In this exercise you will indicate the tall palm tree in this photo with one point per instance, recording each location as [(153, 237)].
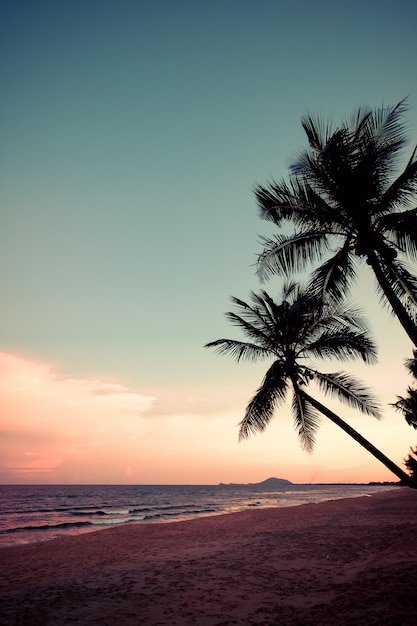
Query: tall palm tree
[(346, 205), (291, 333)]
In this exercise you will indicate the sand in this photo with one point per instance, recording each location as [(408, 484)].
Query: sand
[(351, 561)]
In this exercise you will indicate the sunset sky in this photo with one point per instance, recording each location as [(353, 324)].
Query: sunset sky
[(132, 134)]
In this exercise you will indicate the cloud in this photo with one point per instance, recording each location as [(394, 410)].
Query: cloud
[(49, 419)]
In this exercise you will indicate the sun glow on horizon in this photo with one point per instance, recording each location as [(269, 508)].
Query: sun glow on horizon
[(63, 429)]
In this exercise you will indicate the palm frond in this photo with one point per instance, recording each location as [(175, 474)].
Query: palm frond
[(348, 316), (276, 201), (318, 130), (257, 333), (239, 350), (389, 126), (268, 310), (285, 255), (297, 201), (385, 134), (401, 230), (337, 319), (259, 321), (291, 289), (330, 173), (411, 364), (349, 390), (261, 408), (306, 421), (408, 406), (255, 320), (335, 277), (403, 285), (320, 210), (402, 191), (344, 345), (357, 120)]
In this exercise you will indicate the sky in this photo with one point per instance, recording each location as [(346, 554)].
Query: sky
[(133, 134)]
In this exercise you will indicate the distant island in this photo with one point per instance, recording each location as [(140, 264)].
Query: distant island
[(280, 482), (269, 482)]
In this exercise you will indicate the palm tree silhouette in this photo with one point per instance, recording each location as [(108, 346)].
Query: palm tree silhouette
[(291, 333), (345, 205)]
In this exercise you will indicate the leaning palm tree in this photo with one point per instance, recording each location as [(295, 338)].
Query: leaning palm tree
[(345, 205), (291, 333)]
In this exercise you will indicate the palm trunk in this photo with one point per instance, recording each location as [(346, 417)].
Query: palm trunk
[(405, 478), (398, 309)]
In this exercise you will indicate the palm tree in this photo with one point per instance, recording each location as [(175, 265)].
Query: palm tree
[(346, 206), (290, 333)]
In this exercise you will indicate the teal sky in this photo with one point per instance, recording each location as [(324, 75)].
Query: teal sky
[(132, 134)]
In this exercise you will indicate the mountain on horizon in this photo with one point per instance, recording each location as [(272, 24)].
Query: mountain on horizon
[(269, 482), (273, 482)]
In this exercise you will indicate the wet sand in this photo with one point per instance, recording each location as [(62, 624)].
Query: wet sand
[(345, 562)]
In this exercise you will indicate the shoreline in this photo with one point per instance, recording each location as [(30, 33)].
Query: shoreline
[(347, 561), (62, 512)]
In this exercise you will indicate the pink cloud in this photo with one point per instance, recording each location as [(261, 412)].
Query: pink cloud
[(48, 419)]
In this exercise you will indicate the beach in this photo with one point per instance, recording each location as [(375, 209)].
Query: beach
[(348, 562)]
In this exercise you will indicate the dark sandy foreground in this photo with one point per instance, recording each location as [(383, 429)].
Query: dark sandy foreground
[(351, 561)]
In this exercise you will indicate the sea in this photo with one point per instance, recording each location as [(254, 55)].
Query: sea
[(33, 513)]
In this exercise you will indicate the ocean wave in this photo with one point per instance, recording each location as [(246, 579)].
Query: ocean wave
[(71, 510), (70, 525), (115, 520), (169, 507), (178, 513), (43, 527), (91, 512)]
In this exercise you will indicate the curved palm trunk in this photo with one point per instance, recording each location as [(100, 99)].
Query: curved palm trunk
[(405, 478), (396, 305)]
